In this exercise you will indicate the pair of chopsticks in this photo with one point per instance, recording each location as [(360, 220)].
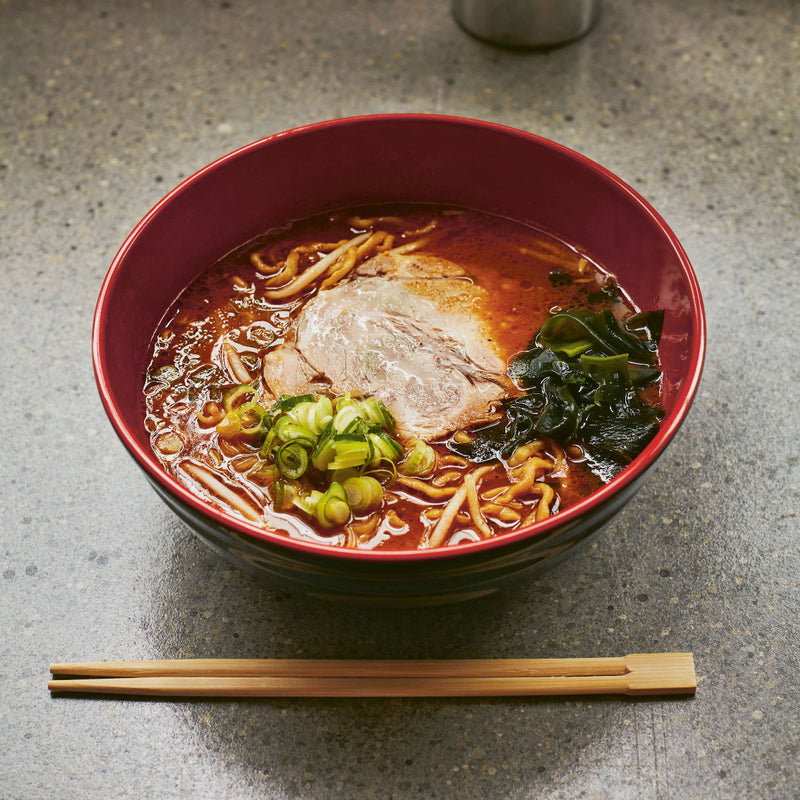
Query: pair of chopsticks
[(642, 674)]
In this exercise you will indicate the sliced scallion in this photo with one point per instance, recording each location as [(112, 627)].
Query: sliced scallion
[(332, 508), (347, 418), (269, 442), (364, 493), (386, 446), (323, 452), (286, 428), (376, 411), (232, 397), (419, 460), (229, 425), (307, 502), (292, 460), (315, 441), (384, 472), (284, 495), (341, 475), (350, 450), (253, 418), (288, 402)]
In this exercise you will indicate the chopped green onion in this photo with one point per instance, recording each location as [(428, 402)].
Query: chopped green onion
[(350, 450), (253, 418), (264, 473), (307, 502), (323, 412), (323, 453), (363, 493), (376, 411), (287, 428), (292, 460), (385, 446), (343, 400), (303, 413), (332, 508), (230, 396), (385, 472), (319, 441), (288, 402), (284, 495), (419, 460), (269, 441), (347, 418), (229, 425), (313, 415), (341, 475)]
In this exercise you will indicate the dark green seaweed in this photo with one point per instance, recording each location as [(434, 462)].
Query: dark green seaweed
[(581, 374)]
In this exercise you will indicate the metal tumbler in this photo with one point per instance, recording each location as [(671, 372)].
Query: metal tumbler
[(526, 23)]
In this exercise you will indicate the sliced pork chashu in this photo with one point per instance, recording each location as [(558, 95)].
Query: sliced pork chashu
[(405, 329)]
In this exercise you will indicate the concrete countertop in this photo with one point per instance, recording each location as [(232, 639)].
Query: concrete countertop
[(105, 106)]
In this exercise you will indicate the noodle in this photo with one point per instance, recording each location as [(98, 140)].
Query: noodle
[(443, 478), (542, 510), (438, 534), (286, 270), (452, 458), (218, 488), (524, 452), (308, 276), (343, 266), (470, 481), (502, 512), (425, 488), (238, 369), (524, 478), (449, 514), (409, 247)]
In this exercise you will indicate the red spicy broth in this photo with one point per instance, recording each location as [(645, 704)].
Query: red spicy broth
[(218, 334)]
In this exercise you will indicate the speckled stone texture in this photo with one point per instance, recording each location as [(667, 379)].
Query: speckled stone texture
[(105, 106)]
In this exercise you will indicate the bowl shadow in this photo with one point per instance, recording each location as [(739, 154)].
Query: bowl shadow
[(202, 607)]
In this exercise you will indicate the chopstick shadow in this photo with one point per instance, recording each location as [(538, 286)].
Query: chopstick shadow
[(458, 701), (201, 607)]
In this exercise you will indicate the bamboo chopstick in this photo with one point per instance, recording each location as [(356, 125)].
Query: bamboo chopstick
[(637, 674)]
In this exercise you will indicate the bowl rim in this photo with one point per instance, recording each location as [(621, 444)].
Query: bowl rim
[(669, 426)]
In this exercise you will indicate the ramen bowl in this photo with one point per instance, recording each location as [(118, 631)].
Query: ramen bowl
[(393, 159)]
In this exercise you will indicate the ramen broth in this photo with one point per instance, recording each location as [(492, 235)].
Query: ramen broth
[(238, 318)]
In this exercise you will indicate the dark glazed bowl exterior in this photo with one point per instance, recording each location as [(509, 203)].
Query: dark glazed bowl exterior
[(376, 159)]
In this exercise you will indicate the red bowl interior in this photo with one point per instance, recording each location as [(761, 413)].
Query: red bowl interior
[(391, 158)]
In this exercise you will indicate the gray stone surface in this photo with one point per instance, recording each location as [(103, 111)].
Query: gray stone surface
[(105, 106)]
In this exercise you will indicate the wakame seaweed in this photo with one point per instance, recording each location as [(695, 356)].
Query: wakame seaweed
[(581, 374)]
